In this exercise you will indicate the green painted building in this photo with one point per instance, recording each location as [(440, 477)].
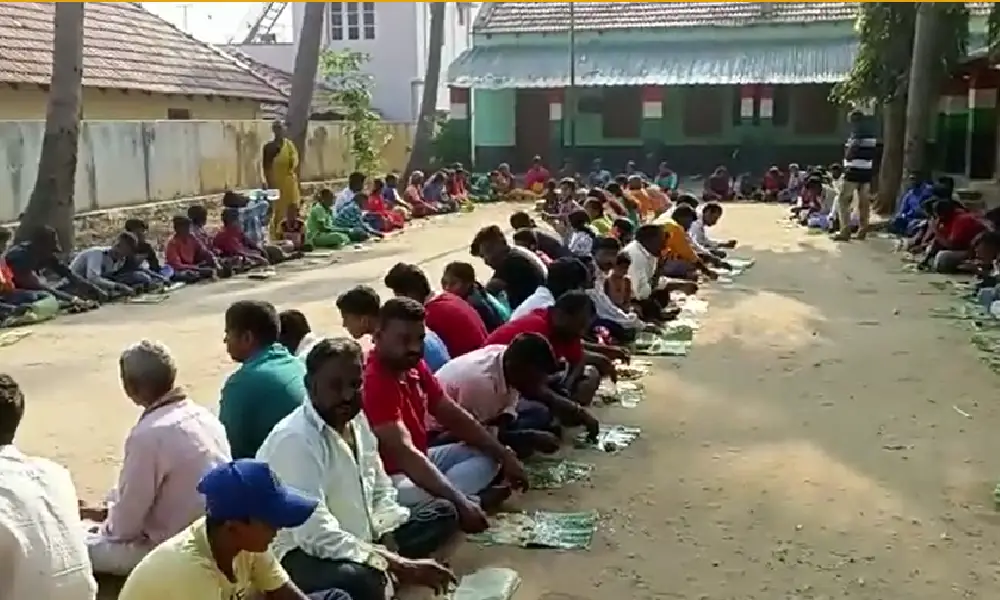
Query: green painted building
[(697, 84)]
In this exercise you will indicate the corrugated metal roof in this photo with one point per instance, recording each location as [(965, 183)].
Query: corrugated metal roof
[(548, 17), (496, 67), (124, 47)]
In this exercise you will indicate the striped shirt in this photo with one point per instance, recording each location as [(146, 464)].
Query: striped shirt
[(859, 154)]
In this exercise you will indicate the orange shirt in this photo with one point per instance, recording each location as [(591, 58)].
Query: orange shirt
[(677, 247)]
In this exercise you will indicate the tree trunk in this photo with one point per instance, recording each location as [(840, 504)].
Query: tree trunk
[(304, 77), (890, 173), (51, 200), (420, 157), (922, 97)]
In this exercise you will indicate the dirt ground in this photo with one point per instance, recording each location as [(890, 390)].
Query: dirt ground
[(807, 448)]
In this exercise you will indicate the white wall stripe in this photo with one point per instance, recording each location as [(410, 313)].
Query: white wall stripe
[(746, 108), (652, 110), (458, 112), (555, 111), (982, 98)]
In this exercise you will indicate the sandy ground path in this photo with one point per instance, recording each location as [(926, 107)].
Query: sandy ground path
[(808, 448)]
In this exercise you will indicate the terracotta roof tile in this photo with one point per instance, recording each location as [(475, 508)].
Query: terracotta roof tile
[(125, 47), (533, 17)]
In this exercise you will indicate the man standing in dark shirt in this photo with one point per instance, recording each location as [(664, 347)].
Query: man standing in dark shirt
[(551, 245), (859, 158), (513, 273)]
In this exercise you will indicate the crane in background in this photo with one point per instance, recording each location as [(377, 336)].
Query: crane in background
[(262, 25)]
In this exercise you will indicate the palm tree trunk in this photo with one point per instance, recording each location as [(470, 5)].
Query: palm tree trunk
[(922, 93), (421, 154), (304, 77), (890, 172), (51, 200)]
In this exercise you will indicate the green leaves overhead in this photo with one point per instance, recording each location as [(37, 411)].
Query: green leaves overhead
[(885, 34), (344, 72)]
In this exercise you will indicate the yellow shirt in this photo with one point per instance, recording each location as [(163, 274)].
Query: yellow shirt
[(182, 568), (677, 247)]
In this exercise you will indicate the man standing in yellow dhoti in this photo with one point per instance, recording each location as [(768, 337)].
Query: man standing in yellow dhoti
[(280, 163)]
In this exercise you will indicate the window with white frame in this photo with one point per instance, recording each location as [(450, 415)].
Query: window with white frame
[(352, 21)]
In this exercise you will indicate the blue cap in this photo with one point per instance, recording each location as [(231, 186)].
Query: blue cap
[(245, 490)]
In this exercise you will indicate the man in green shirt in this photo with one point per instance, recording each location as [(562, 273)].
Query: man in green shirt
[(269, 383)]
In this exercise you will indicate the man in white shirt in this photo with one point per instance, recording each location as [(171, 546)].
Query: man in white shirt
[(296, 335), (99, 264), (42, 549), (359, 534), (623, 325), (650, 291), (710, 215), (565, 274)]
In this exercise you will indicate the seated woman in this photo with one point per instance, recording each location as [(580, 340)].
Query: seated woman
[(414, 196), (174, 442), (665, 179), (793, 187), (436, 194), (189, 259), (503, 181), (234, 246), (956, 230), (393, 199), (773, 183), (720, 183), (460, 279), (377, 212)]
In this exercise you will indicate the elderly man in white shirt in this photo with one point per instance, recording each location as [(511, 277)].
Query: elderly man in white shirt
[(565, 274), (42, 550), (360, 538)]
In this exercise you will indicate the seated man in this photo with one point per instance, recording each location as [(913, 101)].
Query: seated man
[(488, 384), (956, 230), (563, 324), (98, 266), (269, 383), (30, 260), (173, 444), (565, 274), (399, 393), (460, 279), (13, 301), (326, 450), (911, 206), (359, 308), (514, 274), (680, 260), (350, 216), (650, 292), (526, 238), (296, 335), (447, 315), (232, 244), (710, 215), (44, 555), (185, 254), (226, 555)]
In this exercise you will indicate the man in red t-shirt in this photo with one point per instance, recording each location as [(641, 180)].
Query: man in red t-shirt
[(957, 230), (449, 316), (563, 324), (398, 393)]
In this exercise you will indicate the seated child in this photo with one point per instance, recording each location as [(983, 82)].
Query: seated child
[(293, 230), (98, 266), (142, 270), (618, 286), (350, 217), (187, 256), (599, 222), (394, 200), (623, 230), (253, 212), (233, 244), (460, 279)]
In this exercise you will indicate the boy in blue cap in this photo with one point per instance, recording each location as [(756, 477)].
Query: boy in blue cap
[(225, 554)]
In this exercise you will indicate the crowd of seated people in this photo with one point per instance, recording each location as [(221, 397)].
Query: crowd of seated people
[(36, 270), (388, 454)]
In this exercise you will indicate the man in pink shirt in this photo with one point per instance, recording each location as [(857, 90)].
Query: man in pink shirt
[(167, 452), (489, 382)]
